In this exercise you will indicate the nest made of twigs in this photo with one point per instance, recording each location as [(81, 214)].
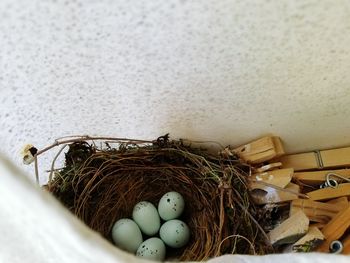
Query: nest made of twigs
[(101, 186)]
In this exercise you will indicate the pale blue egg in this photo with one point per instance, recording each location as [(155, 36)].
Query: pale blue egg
[(175, 233), (152, 249), (127, 235), (146, 217), (171, 206)]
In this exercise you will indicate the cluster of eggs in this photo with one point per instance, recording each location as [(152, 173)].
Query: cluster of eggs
[(146, 219)]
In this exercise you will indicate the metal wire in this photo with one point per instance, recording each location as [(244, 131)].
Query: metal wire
[(336, 247), (332, 183)]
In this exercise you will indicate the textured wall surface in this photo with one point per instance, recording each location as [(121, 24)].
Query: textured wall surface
[(228, 70)]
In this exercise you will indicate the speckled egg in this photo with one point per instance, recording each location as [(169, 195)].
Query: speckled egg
[(171, 206), (175, 233), (152, 249), (127, 235), (146, 217)]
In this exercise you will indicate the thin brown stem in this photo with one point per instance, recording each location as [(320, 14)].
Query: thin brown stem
[(53, 163), (36, 168), (89, 138)]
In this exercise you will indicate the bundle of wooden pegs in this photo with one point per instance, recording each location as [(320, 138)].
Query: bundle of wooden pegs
[(308, 193)]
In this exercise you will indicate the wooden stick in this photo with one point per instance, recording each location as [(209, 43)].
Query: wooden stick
[(341, 202), (280, 178), (300, 162), (268, 167), (272, 195), (329, 193), (335, 229), (346, 245), (318, 177), (336, 157), (318, 225), (315, 211), (278, 146), (260, 150), (333, 158)]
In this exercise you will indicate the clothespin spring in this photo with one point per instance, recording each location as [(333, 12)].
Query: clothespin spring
[(332, 182)]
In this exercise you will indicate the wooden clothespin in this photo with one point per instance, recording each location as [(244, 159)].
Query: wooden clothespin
[(315, 211), (346, 245), (280, 178), (335, 229), (273, 195), (268, 167), (341, 202), (318, 177), (333, 158), (261, 150), (318, 225), (330, 193)]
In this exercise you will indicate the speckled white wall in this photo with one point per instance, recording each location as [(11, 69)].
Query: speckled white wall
[(228, 70)]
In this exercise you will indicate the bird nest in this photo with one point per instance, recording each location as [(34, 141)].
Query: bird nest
[(102, 184)]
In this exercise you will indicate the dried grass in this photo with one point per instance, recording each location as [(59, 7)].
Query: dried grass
[(101, 186)]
